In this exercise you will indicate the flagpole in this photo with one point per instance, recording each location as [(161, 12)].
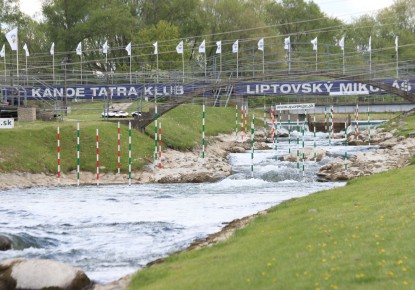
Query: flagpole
[(27, 77), (17, 60), (183, 63), (205, 63), (5, 70), (220, 62), (53, 67), (289, 58), (316, 58), (397, 62), (343, 62), (157, 63), (237, 62), (81, 68), (263, 62), (131, 79)]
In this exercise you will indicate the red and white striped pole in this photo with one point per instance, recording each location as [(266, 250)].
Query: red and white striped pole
[(59, 157), (160, 146), (97, 154), (203, 131), (236, 121), (332, 122), (155, 135), (129, 153), (119, 148), (78, 159)]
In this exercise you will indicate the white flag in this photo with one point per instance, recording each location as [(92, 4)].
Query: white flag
[(369, 48), (202, 47), (11, 37), (341, 43), (396, 43), (156, 49), (52, 49), (128, 49), (261, 44), (235, 47), (105, 47), (179, 47), (219, 46), (314, 43), (79, 49), (3, 51), (287, 43), (26, 49)]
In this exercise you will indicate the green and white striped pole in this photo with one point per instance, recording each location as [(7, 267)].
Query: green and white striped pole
[(276, 139), (273, 126), (160, 146), (97, 155), (252, 145), (78, 150), (368, 124), (119, 148), (289, 133), (129, 153), (245, 118), (345, 144), (330, 125), (203, 131), (155, 134), (314, 137), (303, 147), (298, 146)]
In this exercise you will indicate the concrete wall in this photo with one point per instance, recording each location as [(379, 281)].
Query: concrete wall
[(26, 114)]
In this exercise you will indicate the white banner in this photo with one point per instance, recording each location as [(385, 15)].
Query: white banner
[(294, 107), (6, 123)]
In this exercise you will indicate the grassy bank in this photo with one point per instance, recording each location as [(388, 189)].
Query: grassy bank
[(356, 237), (32, 147)]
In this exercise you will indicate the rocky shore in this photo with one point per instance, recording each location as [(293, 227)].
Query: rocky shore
[(391, 152)]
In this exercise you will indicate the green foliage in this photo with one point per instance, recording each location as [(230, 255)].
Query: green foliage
[(182, 127), (356, 237)]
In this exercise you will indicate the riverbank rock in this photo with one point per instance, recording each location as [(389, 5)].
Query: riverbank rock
[(5, 243), (395, 154), (308, 154), (41, 274)]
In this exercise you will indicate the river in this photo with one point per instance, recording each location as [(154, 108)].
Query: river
[(110, 231)]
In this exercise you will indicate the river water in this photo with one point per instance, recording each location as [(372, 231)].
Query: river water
[(110, 231)]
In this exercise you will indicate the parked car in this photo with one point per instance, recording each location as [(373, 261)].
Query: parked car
[(108, 114), (121, 114), (114, 114), (136, 114)]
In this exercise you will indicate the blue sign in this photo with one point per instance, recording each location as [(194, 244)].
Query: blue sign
[(277, 88)]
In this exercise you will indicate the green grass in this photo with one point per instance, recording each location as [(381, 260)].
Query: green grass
[(403, 125), (356, 237), (182, 127), (32, 147)]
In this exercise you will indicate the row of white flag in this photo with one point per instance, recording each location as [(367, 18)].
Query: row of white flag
[(13, 41)]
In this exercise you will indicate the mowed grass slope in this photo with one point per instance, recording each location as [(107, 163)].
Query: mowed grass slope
[(360, 236), (32, 147)]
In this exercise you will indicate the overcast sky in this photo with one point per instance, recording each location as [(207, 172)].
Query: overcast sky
[(342, 9)]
